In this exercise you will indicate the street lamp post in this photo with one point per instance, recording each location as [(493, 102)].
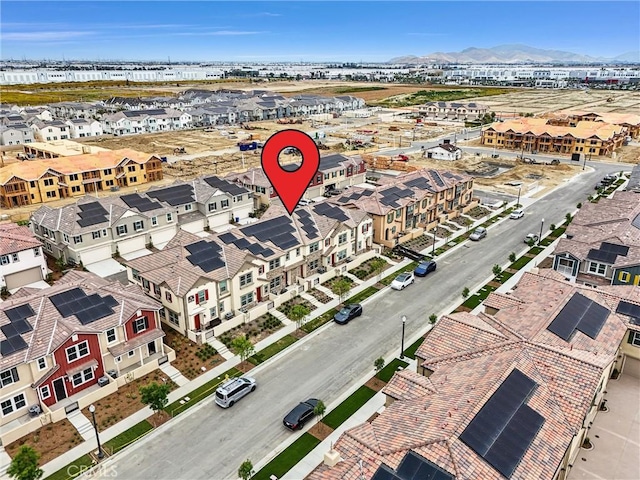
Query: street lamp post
[(404, 319), (540, 236), (584, 163), (433, 250), (518, 202), (92, 409)]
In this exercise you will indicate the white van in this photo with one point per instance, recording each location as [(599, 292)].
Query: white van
[(233, 390)]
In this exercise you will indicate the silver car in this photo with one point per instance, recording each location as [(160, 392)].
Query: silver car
[(233, 390), (478, 233)]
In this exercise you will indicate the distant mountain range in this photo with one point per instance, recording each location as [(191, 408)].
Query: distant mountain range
[(513, 54)]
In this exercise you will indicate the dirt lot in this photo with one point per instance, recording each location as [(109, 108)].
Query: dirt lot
[(50, 441)]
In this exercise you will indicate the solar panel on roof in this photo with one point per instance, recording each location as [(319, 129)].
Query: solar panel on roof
[(19, 313), (176, 195), (636, 221), (242, 243), (582, 314), (226, 186), (436, 178), (267, 252), (201, 246), (614, 248), (227, 237), (206, 255), (12, 345), (109, 301), (412, 467), (255, 248), (384, 472), (303, 214), (628, 309), (87, 309), (593, 320), (21, 326)]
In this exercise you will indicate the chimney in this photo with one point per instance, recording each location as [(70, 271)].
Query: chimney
[(446, 141), (332, 457)]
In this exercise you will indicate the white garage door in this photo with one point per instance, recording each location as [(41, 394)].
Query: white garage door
[(161, 237), (632, 367), (193, 227), (131, 245), (19, 279), (95, 254)]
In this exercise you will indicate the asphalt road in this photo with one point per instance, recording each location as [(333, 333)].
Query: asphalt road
[(210, 443)]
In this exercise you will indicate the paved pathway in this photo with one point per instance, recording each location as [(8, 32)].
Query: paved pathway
[(311, 299), (82, 424), (5, 461), (174, 374), (220, 347)]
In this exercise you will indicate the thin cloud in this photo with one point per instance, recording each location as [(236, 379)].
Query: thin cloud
[(218, 32), (42, 36)]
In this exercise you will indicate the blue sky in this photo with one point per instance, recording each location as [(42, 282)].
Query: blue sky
[(367, 31)]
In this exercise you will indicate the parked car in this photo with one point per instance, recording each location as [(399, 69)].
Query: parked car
[(531, 237), (301, 414), (304, 202), (478, 233), (425, 268), (403, 280), (347, 313), (519, 213), (233, 390), (609, 179), (555, 161), (600, 185)]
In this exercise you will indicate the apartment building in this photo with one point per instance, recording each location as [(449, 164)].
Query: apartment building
[(336, 172), (69, 345), (95, 229), (408, 205), (508, 393), (16, 134), (81, 128), (21, 259), (60, 148), (50, 130), (602, 244), (529, 134), (41, 181), (629, 121), (211, 284), (453, 110), (146, 121)]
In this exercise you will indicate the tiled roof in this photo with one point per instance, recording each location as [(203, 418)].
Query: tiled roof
[(539, 126), (15, 238)]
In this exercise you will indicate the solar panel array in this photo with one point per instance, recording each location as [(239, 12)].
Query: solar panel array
[(330, 211), (278, 230), (355, 196), (176, 195), (13, 331), (582, 314), (412, 467), (142, 204), (631, 310), (437, 178), (390, 196), (636, 221), (243, 243), (308, 225), (608, 252), (503, 429), (92, 214), (206, 255), (226, 186), (419, 182), (86, 308)]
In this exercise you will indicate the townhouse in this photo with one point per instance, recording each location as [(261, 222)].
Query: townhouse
[(513, 395), (529, 134), (408, 205), (146, 121), (602, 244), (629, 121), (16, 134), (444, 151), (50, 130), (72, 110), (67, 346), (81, 127), (41, 181), (211, 284), (21, 259), (336, 172), (453, 110)]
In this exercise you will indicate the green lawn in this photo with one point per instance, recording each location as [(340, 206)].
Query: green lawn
[(413, 348), (272, 349), (363, 295), (473, 301), (535, 250), (350, 406), (288, 458), (73, 469), (558, 231), (504, 276), (200, 393), (519, 263), (387, 372), (118, 442), (407, 268), (319, 321)]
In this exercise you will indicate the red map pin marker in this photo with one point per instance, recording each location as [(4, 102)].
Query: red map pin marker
[(290, 185)]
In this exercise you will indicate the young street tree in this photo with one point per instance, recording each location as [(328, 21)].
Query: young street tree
[(320, 409), (245, 472), (465, 292), (298, 314), (155, 395), (497, 269), (432, 318), (379, 364), (377, 265), (243, 347), (341, 287), (24, 465)]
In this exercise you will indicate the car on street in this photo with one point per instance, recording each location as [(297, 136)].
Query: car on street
[(478, 233), (612, 177), (347, 313), (519, 213), (531, 238), (425, 268), (403, 280), (301, 414), (233, 390)]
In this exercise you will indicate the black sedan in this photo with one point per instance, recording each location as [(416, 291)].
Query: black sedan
[(348, 312), (301, 414)]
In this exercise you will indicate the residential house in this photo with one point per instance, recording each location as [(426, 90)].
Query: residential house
[(630, 121), (51, 130), (81, 127), (444, 151), (58, 356), (21, 259), (602, 244), (336, 172), (211, 284), (32, 114), (453, 110), (95, 229), (41, 181), (512, 396), (408, 205), (146, 121), (16, 134), (70, 110)]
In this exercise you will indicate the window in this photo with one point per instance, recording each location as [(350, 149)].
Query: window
[(275, 263), (213, 207), (221, 307), (246, 299), (131, 353), (188, 207), (246, 279), (77, 351), (202, 296), (111, 335), (624, 277), (173, 318), (327, 242), (399, 213), (131, 168), (95, 235), (319, 179), (107, 171), (48, 182), (13, 404), (274, 283), (42, 363), (222, 286), (314, 247), (169, 217), (140, 324), (634, 338), (342, 238), (4, 260), (314, 264), (597, 268), (51, 194), (8, 377), (36, 252), (298, 252), (133, 179), (118, 359), (15, 258), (82, 377), (342, 254), (45, 392), (224, 203), (390, 218), (138, 226), (121, 229), (73, 177), (287, 256), (212, 312)]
